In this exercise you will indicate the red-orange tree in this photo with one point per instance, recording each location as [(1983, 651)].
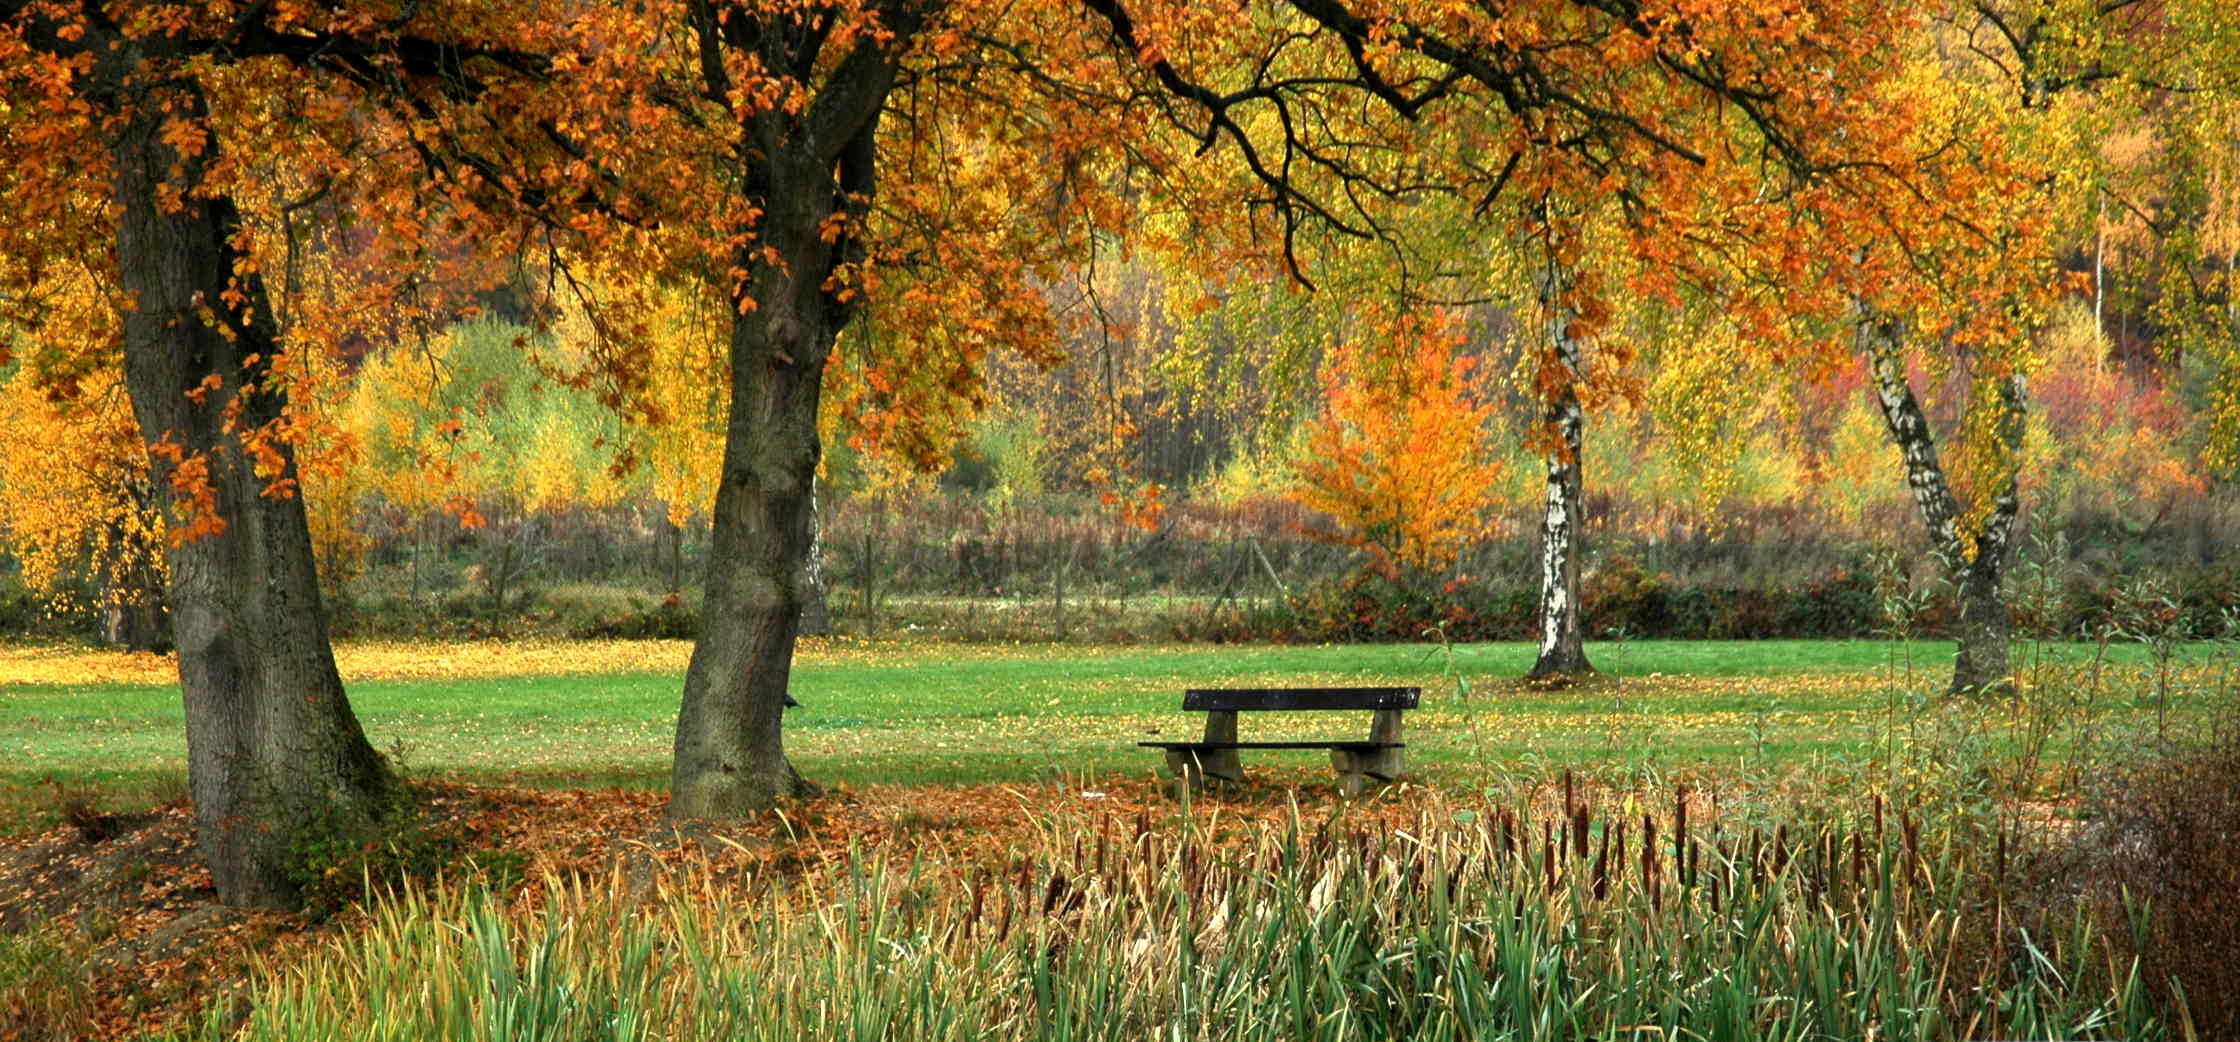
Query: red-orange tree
[(103, 138), (1403, 454), (118, 131)]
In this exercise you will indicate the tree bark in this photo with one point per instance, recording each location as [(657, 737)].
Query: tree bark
[(801, 170), (271, 740), (1975, 562), (730, 750), (1563, 650), (1058, 587), (134, 616), (668, 551), (816, 613)]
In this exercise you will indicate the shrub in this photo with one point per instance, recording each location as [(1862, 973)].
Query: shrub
[(2166, 835), (1622, 599), (668, 620), (337, 858)]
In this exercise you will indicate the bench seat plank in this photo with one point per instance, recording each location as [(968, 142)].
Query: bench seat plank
[(1333, 744), (1234, 699)]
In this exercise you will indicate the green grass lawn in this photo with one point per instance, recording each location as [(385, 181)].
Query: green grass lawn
[(991, 713), (945, 713)]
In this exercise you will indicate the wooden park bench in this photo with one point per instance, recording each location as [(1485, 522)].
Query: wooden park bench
[(1215, 755)]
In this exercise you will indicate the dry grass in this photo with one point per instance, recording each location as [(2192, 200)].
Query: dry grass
[(1464, 922), (2166, 840)]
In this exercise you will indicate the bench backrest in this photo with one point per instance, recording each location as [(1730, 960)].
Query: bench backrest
[(1235, 699)]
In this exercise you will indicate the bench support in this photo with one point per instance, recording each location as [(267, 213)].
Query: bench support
[(1221, 726), (1191, 767), (1356, 767)]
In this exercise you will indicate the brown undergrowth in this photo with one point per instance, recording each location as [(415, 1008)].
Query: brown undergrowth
[(2157, 864), (109, 927)]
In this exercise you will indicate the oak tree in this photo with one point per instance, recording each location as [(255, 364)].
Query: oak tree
[(117, 131)]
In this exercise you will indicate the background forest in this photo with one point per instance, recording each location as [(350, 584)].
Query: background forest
[(1181, 474), (1146, 430)]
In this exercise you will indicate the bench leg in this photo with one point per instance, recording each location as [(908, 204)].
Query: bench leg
[(1381, 764), (1351, 786), (1194, 769), (1359, 769), (1385, 764), (1352, 768), (1221, 726)]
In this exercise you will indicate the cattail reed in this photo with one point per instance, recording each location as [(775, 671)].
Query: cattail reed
[(1243, 938), (1548, 855), (1650, 858), (979, 901), (1104, 839), (1602, 868)]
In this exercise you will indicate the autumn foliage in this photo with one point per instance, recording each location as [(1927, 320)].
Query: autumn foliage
[(77, 513), (1402, 456)]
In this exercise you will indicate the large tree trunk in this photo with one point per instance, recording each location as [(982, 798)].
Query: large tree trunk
[(730, 750), (271, 740), (1563, 649), (1975, 562), (1982, 630)]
